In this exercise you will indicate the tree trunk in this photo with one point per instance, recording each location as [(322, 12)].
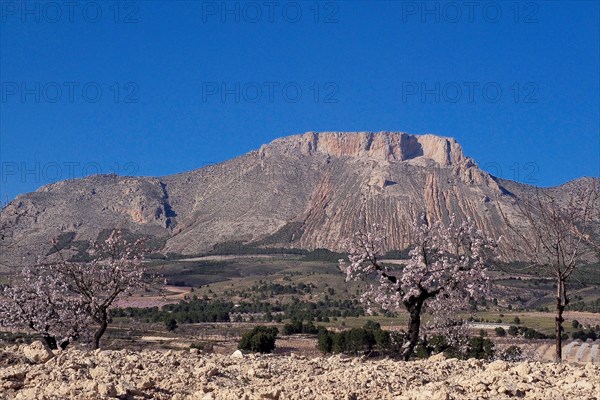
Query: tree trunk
[(560, 307), (414, 326), (101, 329), (50, 341)]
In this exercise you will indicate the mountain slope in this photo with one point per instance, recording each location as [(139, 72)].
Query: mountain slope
[(305, 191)]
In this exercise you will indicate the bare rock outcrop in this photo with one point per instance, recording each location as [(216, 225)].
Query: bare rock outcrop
[(388, 146)]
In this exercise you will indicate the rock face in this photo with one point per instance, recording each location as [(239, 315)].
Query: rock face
[(76, 374), (304, 191), (382, 146)]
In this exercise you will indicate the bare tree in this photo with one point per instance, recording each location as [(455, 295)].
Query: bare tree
[(558, 236)]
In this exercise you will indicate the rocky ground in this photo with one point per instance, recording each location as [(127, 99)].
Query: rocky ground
[(34, 372)]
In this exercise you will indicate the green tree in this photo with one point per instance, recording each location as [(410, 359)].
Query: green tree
[(170, 324), (481, 348), (513, 330), (324, 340), (261, 339)]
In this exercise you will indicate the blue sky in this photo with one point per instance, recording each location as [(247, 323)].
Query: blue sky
[(155, 88)]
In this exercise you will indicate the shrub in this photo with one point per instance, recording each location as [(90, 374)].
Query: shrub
[(513, 330), (500, 331), (512, 353), (582, 335), (170, 324), (261, 339)]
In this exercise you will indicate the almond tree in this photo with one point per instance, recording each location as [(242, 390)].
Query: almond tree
[(558, 237), (72, 299), (115, 270), (38, 301), (446, 269)]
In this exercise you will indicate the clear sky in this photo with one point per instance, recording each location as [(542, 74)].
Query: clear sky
[(156, 88)]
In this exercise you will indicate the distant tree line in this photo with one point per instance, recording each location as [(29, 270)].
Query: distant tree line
[(204, 310), (592, 306)]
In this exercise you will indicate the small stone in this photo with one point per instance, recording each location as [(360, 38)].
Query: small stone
[(522, 370), (107, 389), (148, 384), (437, 357), (237, 354), (497, 365)]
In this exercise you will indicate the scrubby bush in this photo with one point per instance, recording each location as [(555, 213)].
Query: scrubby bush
[(170, 324), (584, 335), (527, 333), (513, 330), (512, 353), (261, 339), (500, 331), (575, 324)]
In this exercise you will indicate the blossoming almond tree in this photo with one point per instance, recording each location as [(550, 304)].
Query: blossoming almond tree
[(38, 301), (446, 269), (70, 299), (115, 270)]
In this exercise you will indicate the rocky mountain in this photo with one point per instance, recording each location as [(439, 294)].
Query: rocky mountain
[(303, 191)]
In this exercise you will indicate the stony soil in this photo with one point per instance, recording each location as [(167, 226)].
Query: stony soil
[(33, 372)]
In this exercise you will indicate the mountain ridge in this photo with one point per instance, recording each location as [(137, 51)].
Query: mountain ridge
[(321, 186)]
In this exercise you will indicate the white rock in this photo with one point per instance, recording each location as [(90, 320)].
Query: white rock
[(37, 352), (237, 354)]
